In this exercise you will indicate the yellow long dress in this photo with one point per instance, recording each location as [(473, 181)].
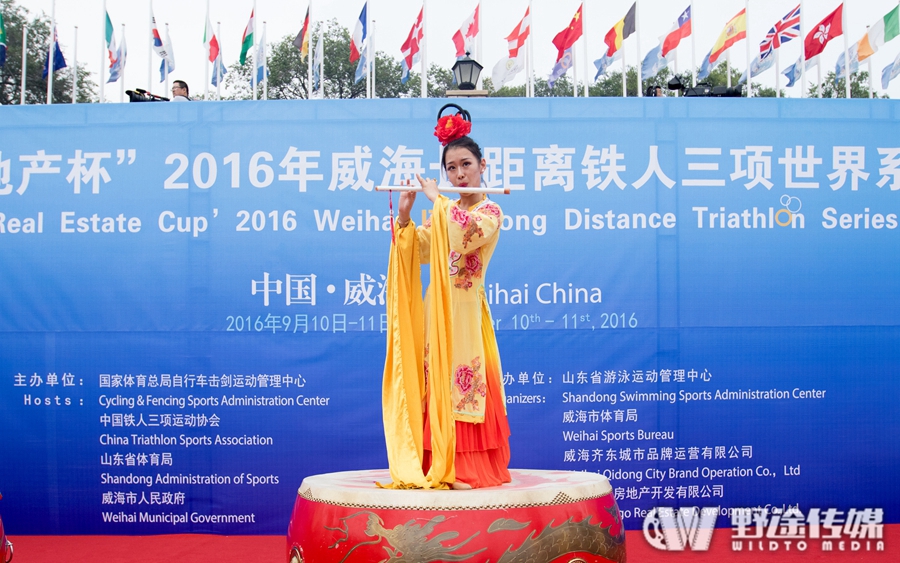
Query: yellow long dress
[(443, 401)]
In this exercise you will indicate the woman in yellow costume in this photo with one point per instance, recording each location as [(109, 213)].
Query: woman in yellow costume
[(443, 402)]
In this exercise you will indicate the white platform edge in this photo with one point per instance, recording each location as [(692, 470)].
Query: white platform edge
[(529, 488)]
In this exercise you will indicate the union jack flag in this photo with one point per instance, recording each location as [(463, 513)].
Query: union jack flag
[(782, 32)]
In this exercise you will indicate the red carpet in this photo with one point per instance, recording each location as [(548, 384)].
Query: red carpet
[(196, 548)]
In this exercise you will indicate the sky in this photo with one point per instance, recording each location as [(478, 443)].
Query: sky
[(394, 18)]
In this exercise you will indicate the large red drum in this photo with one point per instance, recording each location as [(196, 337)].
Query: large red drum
[(541, 517)]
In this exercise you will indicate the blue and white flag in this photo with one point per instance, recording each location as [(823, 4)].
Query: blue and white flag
[(218, 70), (561, 67), (604, 62), (793, 72), (706, 67), (262, 69), (58, 60), (362, 69), (653, 63), (760, 64), (840, 68), (167, 64), (117, 68), (890, 72), (318, 60)]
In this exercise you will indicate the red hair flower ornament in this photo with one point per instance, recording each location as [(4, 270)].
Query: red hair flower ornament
[(451, 127)]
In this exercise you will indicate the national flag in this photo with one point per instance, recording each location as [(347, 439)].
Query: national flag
[(58, 60), (167, 65), (2, 41), (567, 37), (111, 49), (784, 30), (605, 62), (117, 69), (823, 32), (879, 33), (760, 64), (840, 68), (706, 67), (362, 68), (653, 62), (620, 32), (681, 31), (210, 41), (735, 30), (505, 70), (247, 39), (890, 72), (562, 66), (302, 40), (359, 37), (792, 73), (464, 38), (219, 71), (318, 59), (410, 48), (519, 34), (261, 59)]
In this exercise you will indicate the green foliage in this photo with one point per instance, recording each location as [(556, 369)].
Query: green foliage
[(15, 18), (859, 86)]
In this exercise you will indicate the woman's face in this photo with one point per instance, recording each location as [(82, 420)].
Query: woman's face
[(463, 168)]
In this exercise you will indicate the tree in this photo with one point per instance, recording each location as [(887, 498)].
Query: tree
[(859, 86), (15, 17)]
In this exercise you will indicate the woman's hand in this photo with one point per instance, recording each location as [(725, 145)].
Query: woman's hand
[(429, 187), (407, 199)]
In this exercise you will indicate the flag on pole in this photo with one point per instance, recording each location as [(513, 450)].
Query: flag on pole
[(792, 73), (302, 40), (653, 62), (505, 70), (247, 39), (519, 34), (2, 41), (410, 48), (210, 41), (167, 65), (879, 33), (118, 66), (163, 50), (358, 39), (219, 71), (561, 67), (706, 67), (890, 72), (362, 68), (823, 32), (567, 37), (681, 31), (605, 62), (58, 60), (111, 49), (464, 38), (262, 70), (784, 30), (318, 59), (735, 30), (760, 64), (620, 32), (840, 67)]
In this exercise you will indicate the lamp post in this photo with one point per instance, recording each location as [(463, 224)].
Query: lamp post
[(466, 72)]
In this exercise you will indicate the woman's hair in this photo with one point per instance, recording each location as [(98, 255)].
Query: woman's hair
[(464, 142)]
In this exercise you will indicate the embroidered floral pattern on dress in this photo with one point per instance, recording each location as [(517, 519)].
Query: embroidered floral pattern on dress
[(470, 383), (459, 216), (470, 270), (490, 209), (454, 262)]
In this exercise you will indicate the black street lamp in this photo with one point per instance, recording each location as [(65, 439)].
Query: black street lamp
[(466, 71)]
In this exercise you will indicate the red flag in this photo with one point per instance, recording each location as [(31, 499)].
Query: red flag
[(464, 39), (518, 35), (825, 31), (567, 37)]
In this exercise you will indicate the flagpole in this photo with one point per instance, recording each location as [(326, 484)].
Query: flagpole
[(637, 32), (123, 46), (368, 52), (75, 66), (24, 63), (321, 63), (693, 50), (529, 56), (253, 53), (584, 40), (423, 53), (802, 50), (372, 59), (871, 82), (150, 46), (50, 53), (675, 64), (216, 69), (478, 45), (728, 67), (749, 52), (624, 72), (206, 62), (777, 74), (310, 54), (819, 74), (846, 51)]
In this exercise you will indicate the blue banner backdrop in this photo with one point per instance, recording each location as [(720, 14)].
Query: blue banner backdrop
[(695, 297)]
